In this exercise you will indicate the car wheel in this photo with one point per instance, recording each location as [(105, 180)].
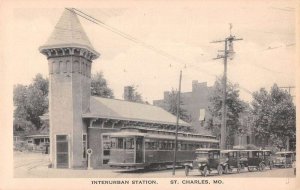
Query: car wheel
[(226, 169), (239, 168), (186, 170), (262, 166), (220, 170), (242, 166), (205, 171), (250, 169)]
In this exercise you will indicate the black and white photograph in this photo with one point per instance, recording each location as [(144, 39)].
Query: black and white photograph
[(195, 93)]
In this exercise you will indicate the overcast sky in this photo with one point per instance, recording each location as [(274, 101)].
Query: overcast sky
[(183, 30)]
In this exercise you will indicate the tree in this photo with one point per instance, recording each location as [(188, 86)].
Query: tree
[(171, 105), (99, 86), (30, 103), (274, 117), (131, 94), (235, 107)]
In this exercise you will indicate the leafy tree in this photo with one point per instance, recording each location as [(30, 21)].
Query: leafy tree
[(99, 86), (30, 103), (171, 106), (234, 108), (274, 116), (132, 94)]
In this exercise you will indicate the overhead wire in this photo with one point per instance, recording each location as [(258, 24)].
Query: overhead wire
[(161, 52), (183, 63)]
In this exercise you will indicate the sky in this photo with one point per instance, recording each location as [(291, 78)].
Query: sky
[(265, 56)]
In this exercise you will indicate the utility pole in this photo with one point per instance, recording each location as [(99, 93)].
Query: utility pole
[(177, 122), (289, 88), (228, 53)]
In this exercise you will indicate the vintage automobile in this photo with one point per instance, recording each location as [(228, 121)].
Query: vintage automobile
[(259, 159), (206, 161), (234, 159), (284, 159)]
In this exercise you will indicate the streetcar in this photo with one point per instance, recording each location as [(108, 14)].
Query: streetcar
[(146, 148)]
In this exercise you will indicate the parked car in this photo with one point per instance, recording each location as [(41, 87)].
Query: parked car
[(206, 161), (259, 160), (284, 159), (234, 159)]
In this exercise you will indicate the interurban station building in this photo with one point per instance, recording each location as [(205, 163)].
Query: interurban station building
[(78, 120)]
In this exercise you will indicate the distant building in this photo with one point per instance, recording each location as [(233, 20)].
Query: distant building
[(195, 103), (128, 93), (35, 141)]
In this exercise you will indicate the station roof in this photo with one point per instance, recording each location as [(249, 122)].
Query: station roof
[(68, 32), (132, 111)]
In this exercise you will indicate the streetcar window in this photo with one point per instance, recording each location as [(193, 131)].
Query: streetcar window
[(179, 146), (120, 143), (113, 143), (106, 152), (129, 143), (190, 146), (151, 145)]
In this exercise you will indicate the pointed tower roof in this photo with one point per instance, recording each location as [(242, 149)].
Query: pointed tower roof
[(68, 32)]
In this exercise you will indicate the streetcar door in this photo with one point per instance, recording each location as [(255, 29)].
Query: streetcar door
[(139, 154)]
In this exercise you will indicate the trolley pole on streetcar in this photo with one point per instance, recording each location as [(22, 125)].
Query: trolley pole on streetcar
[(228, 52), (177, 121)]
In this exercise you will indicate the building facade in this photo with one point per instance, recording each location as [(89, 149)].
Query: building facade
[(195, 103)]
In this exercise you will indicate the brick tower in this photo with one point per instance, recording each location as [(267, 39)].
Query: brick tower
[(69, 54)]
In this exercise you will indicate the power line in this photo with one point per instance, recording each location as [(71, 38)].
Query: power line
[(288, 9), (135, 40), (183, 63), (163, 53), (96, 21)]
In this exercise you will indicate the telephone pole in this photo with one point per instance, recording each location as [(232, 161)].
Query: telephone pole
[(228, 53), (289, 88), (177, 123)]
